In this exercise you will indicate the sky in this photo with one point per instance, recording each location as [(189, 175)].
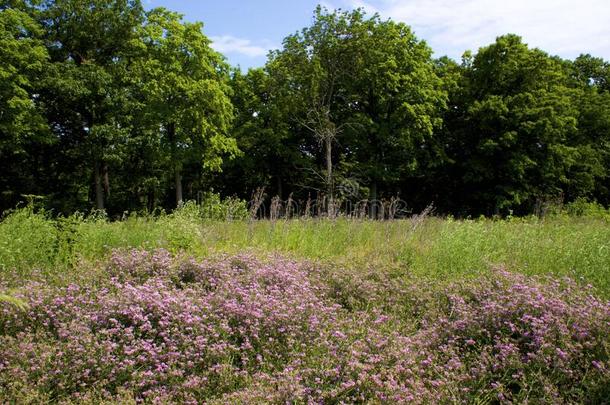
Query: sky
[(245, 30)]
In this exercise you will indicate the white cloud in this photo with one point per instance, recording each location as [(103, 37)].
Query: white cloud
[(563, 27), (228, 44), (327, 4)]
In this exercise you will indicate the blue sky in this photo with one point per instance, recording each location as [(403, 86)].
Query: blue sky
[(244, 30)]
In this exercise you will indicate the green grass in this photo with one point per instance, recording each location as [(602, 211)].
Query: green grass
[(443, 249)]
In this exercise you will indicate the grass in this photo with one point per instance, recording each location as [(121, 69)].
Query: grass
[(439, 249)]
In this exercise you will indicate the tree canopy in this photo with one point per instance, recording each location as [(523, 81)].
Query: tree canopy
[(104, 105)]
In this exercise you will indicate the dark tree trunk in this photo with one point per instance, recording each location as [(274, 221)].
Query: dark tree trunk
[(279, 186), (329, 167), (150, 201), (99, 188), (178, 181), (171, 135), (106, 180), (374, 208)]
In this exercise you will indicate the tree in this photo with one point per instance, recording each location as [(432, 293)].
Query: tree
[(22, 122), (271, 154), (186, 87), (592, 72), (315, 66), (24, 58), (396, 103), (367, 91), (88, 41), (107, 106), (515, 128), (591, 174)]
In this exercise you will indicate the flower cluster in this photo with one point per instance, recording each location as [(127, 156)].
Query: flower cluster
[(162, 330), (159, 328), (506, 338)]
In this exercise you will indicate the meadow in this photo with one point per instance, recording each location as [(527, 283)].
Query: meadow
[(189, 308), (134, 271)]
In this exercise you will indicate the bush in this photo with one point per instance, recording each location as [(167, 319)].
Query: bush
[(585, 208), (212, 207), (28, 240), (160, 328)]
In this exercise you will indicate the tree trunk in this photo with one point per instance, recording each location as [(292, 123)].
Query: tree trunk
[(374, 200), (329, 167), (279, 186), (171, 135), (99, 188), (106, 180), (150, 201), (178, 180)]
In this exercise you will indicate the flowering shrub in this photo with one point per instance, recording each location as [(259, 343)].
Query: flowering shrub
[(520, 339), (159, 328), (184, 331)]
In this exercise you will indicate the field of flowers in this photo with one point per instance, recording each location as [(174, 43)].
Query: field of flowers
[(160, 327)]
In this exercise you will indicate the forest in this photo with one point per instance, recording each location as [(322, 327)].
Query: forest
[(107, 105)]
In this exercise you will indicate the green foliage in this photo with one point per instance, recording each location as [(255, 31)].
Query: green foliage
[(31, 241), (104, 105), (584, 208), (518, 127), (397, 103), (84, 93), (215, 208), (23, 59), (361, 93), (266, 137), (593, 77), (22, 124), (185, 87), (28, 241)]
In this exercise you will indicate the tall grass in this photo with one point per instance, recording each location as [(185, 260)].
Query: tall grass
[(436, 248)]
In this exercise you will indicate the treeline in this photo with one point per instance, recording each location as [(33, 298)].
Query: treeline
[(105, 105)]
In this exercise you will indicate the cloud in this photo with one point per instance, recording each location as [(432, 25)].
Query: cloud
[(563, 27), (228, 44)]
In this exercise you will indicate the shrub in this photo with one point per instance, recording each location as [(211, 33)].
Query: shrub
[(160, 328), (212, 207), (582, 207), (28, 240), (503, 339)]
